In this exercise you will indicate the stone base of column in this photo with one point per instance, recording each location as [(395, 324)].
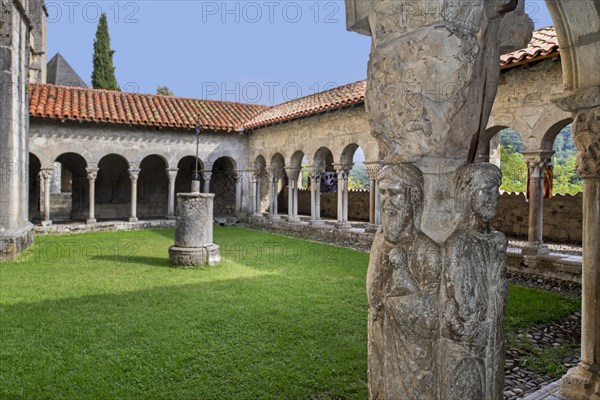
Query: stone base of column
[(257, 215), (294, 220), (91, 221), (535, 249), (316, 222), (372, 228), (133, 219), (47, 223), (171, 218), (13, 242), (343, 225), (581, 383), (191, 257), (274, 217)]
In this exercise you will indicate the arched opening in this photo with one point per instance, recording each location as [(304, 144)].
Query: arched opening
[(69, 193), (327, 198), (512, 163), (559, 139), (489, 145), (35, 166), (113, 188), (262, 203), (185, 173), (153, 187), (279, 182), (222, 184), (358, 184)]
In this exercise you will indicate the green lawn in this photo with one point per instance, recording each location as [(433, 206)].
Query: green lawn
[(102, 316)]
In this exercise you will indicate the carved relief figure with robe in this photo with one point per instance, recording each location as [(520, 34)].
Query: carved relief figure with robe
[(403, 284), (474, 291)]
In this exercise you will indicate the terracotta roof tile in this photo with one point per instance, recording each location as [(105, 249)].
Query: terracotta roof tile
[(82, 104), (543, 43)]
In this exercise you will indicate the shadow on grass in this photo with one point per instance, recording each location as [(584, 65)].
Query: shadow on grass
[(141, 260)]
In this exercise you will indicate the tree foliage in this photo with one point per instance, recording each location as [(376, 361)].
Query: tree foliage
[(358, 178), (103, 75), (164, 91)]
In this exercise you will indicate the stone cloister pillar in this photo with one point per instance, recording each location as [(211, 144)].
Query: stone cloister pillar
[(134, 173), (342, 188), (274, 178), (257, 212), (239, 182), (207, 175), (172, 175), (293, 174), (537, 161), (314, 173), (583, 381), (92, 174), (435, 262), (46, 175), (373, 169)]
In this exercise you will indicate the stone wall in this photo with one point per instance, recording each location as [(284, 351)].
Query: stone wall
[(563, 217)]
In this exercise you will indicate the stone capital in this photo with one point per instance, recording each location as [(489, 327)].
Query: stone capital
[(342, 169), (293, 173), (315, 171), (47, 173), (578, 99), (586, 134), (172, 173), (134, 173), (92, 173), (373, 168), (207, 175)]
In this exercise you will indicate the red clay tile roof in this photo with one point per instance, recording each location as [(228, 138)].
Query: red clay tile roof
[(81, 104), (544, 43), (338, 97)]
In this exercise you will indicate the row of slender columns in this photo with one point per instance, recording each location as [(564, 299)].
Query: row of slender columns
[(293, 174), (314, 174), (373, 169), (342, 171)]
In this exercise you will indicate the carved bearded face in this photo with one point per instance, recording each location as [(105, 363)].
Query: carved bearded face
[(485, 199), (396, 212)]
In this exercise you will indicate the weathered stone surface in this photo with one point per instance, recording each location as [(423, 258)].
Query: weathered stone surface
[(194, 232), (435, 328)]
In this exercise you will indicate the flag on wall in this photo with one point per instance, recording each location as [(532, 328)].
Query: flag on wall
[(548, 182)]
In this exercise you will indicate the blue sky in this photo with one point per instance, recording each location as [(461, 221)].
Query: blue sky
[(263, 52)]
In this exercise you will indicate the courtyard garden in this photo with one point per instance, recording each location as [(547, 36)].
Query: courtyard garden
[(101, 315)]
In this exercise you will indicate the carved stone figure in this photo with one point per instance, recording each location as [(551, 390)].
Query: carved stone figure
[(474, 292), (403, 283)]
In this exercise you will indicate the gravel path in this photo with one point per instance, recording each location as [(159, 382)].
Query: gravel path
[(554, 247)]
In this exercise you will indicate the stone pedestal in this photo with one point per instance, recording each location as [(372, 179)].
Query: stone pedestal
[(194, 245)]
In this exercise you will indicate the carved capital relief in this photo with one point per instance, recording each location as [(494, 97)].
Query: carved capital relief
[(537, 162), (315, 171), (92, 174), (172, 174), (46, 173), (586, 134), (134, 174), (293, 173), (373, 169)]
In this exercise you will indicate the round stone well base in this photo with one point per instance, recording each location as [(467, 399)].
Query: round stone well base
[(192, 257)]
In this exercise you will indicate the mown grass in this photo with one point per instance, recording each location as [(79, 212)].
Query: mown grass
[(101, 315)]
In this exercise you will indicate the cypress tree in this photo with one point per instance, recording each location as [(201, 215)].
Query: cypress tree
[(103, 75)]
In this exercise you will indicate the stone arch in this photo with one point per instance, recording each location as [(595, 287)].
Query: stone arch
[(548, 139), (324, 157), (70, 196), (35, 166), (577, 24), (186, 167), (488, 151), (113, 187), (278, 168), (153, 187), (222, 184)]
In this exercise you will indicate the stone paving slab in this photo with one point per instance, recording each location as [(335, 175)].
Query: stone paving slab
[(549, 392)]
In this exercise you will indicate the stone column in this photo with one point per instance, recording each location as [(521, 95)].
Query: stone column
[(583, 381), (432, 79), (257, 194), (133, 175), (274, 178), (292, 174), (92, 174), (206, 175), (342, 188), (172, 175), (536, 165), (373, 168), (55, 187), (239, 181), (46, 174), (314, 174)]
